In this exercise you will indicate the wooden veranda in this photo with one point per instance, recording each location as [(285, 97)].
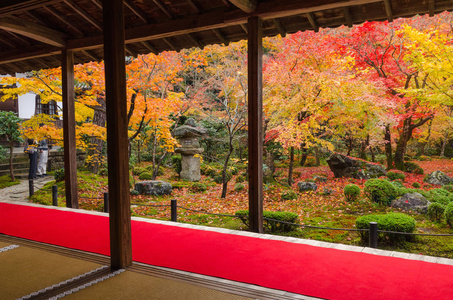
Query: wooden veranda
[(36, 34)]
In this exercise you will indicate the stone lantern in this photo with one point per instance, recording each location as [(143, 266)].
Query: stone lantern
[(190, 149)]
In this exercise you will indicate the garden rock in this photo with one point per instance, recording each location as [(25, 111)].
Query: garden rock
[(345, 166), (307, 186), (319, 178), (412, 201), (439, 178), (153, 187)]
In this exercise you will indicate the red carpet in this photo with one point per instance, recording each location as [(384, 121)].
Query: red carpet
[(314, 271)]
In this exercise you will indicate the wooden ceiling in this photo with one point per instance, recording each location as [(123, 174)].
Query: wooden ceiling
[(33, 32)]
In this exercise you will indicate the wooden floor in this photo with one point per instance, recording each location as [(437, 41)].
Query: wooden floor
[(32, 270)]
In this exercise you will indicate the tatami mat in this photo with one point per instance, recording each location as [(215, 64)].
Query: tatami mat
[(132, 285), (24, 270)]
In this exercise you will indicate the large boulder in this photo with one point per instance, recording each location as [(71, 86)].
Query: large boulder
[(307, 186), (439, 178), (412, 201), (153, 187), (345, 166)]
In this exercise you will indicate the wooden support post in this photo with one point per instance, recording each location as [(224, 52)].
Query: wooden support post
[(117, 140), (255, 123), (70, 152)]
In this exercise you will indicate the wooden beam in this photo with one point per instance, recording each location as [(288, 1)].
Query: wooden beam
[(312, 19), (31, 52), (21, 6), (149, 47), (244, 27), (221, 37), (33, 31), (84, 14), (195, 40), (388, 10), (347, 16), (171, 45), (194, 6), (63, 19), (279, 27), (164, 9), (431, 7), (255, 123), (117, 139), (138, 12), (70, 152), (247, 6)]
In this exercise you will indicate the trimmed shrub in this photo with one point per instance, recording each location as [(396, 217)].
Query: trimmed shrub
[(59, 174), (412, 167), (436, 211), (448, 187), (145, 176), (289, 195), (240, 178), (351, 192), (198, 187), (380, 191), (239, 187), (271, 220), (416, 185), (176, 162), (103, 172), (449, 214), (138, 170), (439, 195), (397, 183), (218, 177), (396, 222), (394, 176)]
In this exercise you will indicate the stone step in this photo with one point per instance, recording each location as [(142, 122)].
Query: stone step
[(17, 172)]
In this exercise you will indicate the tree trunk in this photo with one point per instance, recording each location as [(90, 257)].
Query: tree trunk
[(444, 143), (373, 157), (349, 146), (422, 149), (388, 147), (11, 171), (317, 156), (139, 160), (224, 171), (291, 164), (401, 145), (363, 147), (96, 145)]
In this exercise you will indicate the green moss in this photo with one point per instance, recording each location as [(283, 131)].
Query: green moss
[(5, 181)]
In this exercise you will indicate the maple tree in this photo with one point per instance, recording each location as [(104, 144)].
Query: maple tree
[(9, 129), (380, 49)]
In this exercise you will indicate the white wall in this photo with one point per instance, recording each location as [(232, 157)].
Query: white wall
[(26, 106)]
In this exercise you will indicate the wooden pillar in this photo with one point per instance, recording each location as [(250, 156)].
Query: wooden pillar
[(117, 139), (70, 152), (255, 123)]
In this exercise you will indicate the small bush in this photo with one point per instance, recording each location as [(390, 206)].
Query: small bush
[(412, 167), (198, 187), (448, 187), (240, 179), (138, 170), (424, 158), (59, 174), (416, 185), (396, 222), (233, 170), (351, 192), (135, 193), (176, 162), (289, 195), (145, 176), (218, 178), (310, 161), (239, 187), (380, 191), (394, 176), (449, 214), (439, 195), (271, 219), (208, 170), (436, 211)]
